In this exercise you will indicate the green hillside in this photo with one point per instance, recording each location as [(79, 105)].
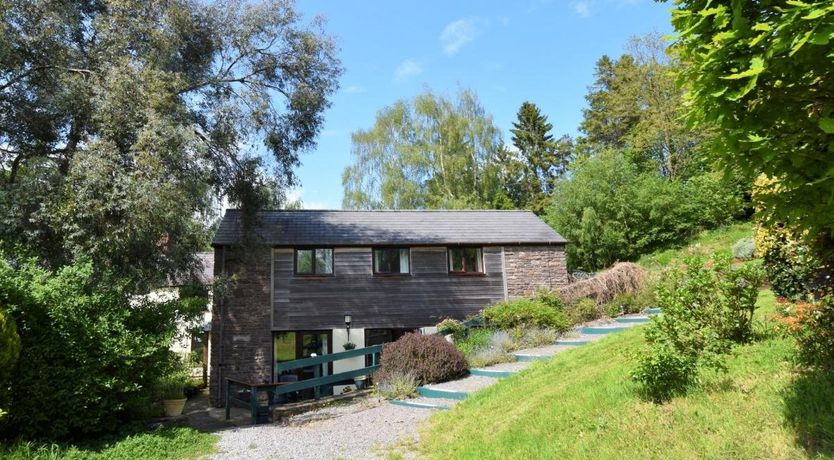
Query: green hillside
[(583, 404)]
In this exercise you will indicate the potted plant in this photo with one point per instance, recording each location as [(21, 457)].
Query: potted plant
[(359, 381), (173, 394), (349, 346)]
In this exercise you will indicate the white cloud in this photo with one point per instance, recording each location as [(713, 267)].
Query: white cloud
[(296, 194), (355, 89), (456, 34), (582, 8), (407, 69)]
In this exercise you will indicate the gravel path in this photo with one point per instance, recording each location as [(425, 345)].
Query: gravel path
[(467, 384), (357, 430)]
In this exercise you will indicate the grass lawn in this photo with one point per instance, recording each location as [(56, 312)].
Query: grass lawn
[(707, 243), (166, 443), (583, 404)]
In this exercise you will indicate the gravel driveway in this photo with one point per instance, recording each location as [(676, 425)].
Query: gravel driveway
[(358, 429)]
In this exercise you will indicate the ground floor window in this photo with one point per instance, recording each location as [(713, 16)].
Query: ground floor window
[(292, 345)]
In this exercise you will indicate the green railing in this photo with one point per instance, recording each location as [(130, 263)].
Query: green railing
[(261, 398)]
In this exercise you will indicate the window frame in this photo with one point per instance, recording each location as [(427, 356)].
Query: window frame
[(384, 274), (313, 273), (465, 272)]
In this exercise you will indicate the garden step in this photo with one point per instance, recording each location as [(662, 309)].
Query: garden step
[(632, 319), (496, 374), (652, 311), (572, 342), (437, 393), (419, 403), (595, 330), (528, 358)]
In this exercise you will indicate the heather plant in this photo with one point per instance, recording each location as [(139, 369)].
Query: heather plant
[(429, 358), (451, 326)]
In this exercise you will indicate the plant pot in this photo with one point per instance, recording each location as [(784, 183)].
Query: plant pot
[(173, 407), (359, 382)]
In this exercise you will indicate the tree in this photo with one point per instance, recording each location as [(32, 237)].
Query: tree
[(761, 72), (636, 104), (121, 120), (611, 210), (9, 352), (541, 159), (430, 152)]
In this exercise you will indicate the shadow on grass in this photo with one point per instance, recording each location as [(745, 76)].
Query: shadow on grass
[(809, 410)]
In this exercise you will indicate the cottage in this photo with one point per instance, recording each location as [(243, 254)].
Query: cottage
[(320, 279)]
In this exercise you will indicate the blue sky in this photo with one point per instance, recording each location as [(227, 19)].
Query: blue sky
[(506, 51)]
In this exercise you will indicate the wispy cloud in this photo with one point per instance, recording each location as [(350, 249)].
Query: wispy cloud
[(456, 34), (582, 8), (355, 89), (407, 69)]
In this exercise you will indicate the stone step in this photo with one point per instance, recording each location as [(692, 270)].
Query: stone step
[(572, 342), (652, 311), (496, 374), (437, 393)]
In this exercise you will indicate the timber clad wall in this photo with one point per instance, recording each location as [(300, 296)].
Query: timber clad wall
[(530, 268), (242, 341), (423, 298)]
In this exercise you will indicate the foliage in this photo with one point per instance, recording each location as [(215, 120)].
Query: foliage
[(632, 302), (528, 172), (429, 152), (635, 104), (581, 404), (791, 266), (159, 444), (584, 310), (534, 337), (523, 313), (744, 249), (605, 285), (483, 357), (103, 349), (172, 386), (397, 385), (811, 325), (430, 358), (9, 352), (120, 119), (349, 346), (613, 211), (475, 338), (760, 72), (706, 308), (451, 326)]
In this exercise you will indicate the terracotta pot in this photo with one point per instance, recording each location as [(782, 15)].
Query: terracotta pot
[(173, 407)]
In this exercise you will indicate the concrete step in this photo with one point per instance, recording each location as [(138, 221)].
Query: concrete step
[(492, 373), (632, 319), (652, 311), (597, 330), (524, 357), (437, 393), (572, 342), (422, 403)]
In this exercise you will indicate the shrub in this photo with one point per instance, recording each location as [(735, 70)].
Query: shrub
[(397, 385), (430, 358), (665, 372), (791, 268), (705, 308), (744, 249), (91, 353), (488, 356), (605, 285), (9, 352), (522, 313), (453, 327), (536, 337), (502, 341), (173, 386), (584, 310), (475, 338), (812, 325), (551, 299)]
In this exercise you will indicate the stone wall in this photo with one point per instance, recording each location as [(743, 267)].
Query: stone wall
[(530, 268), (241, 333)]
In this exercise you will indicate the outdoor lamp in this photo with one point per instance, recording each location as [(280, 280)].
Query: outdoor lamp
[(348, 319)]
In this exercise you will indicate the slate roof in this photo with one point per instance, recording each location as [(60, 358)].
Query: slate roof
[(363, 228)]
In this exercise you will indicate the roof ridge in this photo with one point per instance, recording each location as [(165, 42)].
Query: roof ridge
[(386, 210)]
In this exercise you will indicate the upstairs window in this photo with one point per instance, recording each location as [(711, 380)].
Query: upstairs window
[(466, 260), (391, 261), (314, 261)]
